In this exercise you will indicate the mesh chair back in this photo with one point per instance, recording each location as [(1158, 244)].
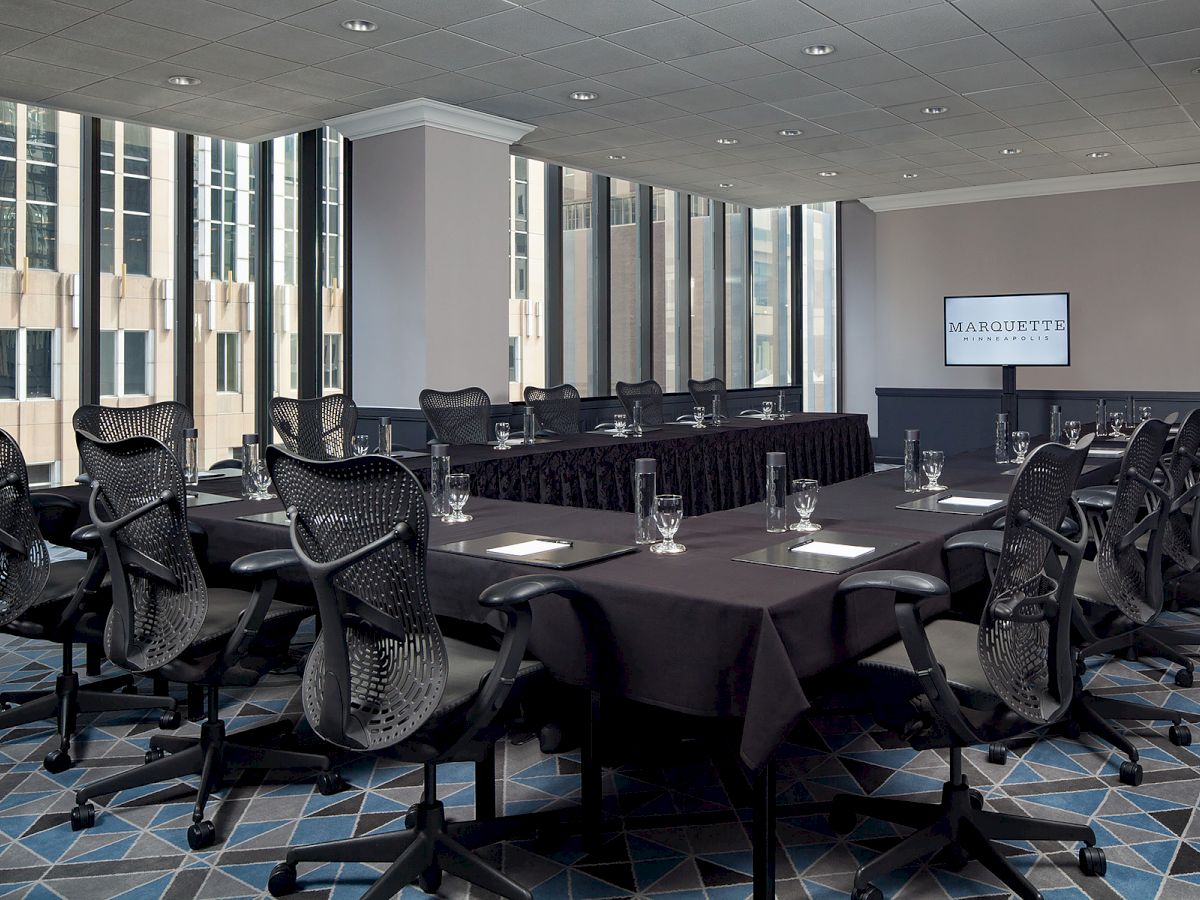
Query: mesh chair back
[(557, 408), (457, 417), (1133, 579), (379, 666), (1027, 658), (650, 395), (703, 392), (24, 559), (164, 422), (139, 505), (319, 428), (1180, 538)]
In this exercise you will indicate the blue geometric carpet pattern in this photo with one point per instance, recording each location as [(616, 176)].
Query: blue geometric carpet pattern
[(138, 848)]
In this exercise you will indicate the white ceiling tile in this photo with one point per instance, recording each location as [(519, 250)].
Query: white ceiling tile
[(902, 90), (133, 92), (1160, 17), (989, 77), (867, 70), (270, 97), (1169, 47), (294, 44), (831, 103), (822, 145), (977, 50), (1177, 158), (199, 18), (574, 121), (12, 37), (1177, 72), (560, 93), (1089, 141), (731, 65), (1083, 86), (982, 140), (25, 93), (231, 61), (272, 9), (604, 18), (445, 48), (1020, 95), (520, 106), (1059, 35), (157, 73), (442, 13), (970, 165), (520, 31), (54, 50), (791, 49), (328, 18), (1159, 132), (1085, 60), (684, 126), (377, 66), (892, 134), (322, 83), (639, 111), (955, 106), (674, 39), (520, 74), (1166, 115), (1043, 112), (705, 99), (761, 20), (1128, 101), (1064, 128), (97, 106), (594, 56), (747, 116), (860, 121), (691, 7), (126, 36), (453, 87), (44, 16), (780, 86), (650, 81), (963, 124), (382, 97), (222, 110), (1171, 145), (915, 27), (1013, 13)]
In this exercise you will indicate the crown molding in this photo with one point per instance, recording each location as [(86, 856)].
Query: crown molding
[(433, 114), (1040, 187)]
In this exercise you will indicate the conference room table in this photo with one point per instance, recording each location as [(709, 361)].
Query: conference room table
[(713, 468), (698, 633)]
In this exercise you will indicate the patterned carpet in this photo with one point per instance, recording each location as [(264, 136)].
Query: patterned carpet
[(138, 847)]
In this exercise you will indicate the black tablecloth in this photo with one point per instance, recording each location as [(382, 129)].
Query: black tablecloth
[(713, 468), (699, 632)]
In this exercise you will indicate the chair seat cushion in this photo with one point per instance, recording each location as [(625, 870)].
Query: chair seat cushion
[(1088, 585), (43, 618), (954, 646)]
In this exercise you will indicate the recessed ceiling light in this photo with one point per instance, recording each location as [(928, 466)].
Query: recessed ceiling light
[(910, 175), (819, 49), (1010, 151), (584, 96), (183, 80), (727, 141), (935, 110), (725, 184), (359, 25), (616, 156), (789, 132), (827, 174), (1099, 154)]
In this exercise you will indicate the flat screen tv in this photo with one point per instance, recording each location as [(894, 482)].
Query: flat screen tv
[(1008, 330)]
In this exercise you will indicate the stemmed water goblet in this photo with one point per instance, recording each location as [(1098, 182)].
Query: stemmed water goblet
[(502, 432), (1145, 413), (668, 515), (1073, 429), (620, 425), (359, 445), (931, 464), (768, 409), (698, 415), (458, 491), (1020, 442), (260, 481), (1116, 424), (804, 498)]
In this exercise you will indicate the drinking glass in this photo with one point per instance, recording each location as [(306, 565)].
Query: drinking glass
[(1116, 422), (1074, 429), (458, 491), (359, 445), (1146, 413), (502, 431), (931, 464), (620, 424), (804, 498), (260, 481), (668, 514), (1020, 442), (768, 409), (698, 415)]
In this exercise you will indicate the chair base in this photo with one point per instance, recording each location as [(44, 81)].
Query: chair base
[(214, 757), (428, 847), (957, 830), (69, 700), (1155, 641)]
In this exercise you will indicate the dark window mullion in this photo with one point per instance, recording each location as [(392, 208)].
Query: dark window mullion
[(185, 268), (310, 264), (717, 226), (645, 287), (683, 290), (89, 261), (601, 300), (264, 287), (554, 276)]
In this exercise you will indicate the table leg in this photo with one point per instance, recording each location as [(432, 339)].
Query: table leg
[(763, 831), (592, 787)]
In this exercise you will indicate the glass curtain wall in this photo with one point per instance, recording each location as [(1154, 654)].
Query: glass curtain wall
[(624, 282), (664, 250), (285, 223), (737, 308), (527, 276), (771, 318), (333, 263), (578, 293), (819, 307), (703, 291), (39, 280)]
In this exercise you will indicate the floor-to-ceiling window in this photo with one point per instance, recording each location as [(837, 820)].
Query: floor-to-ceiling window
[(703, 290), (771, 277), (285, 223), (578, 295), (527, 275), (737, 307), (819, 308), (664, 250), (333, 263), (624, 282)]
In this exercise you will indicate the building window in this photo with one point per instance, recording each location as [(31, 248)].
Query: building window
[(135, 201), (229, 362), (230, 211), (41, 188), (42, 475), (108, 363), (39, 363), (8, 184), (527, 288), (293, 361), (331, 362), (514, 359), (8, 363), (332, 209), (108, 198), (136, 365), (771, 319)]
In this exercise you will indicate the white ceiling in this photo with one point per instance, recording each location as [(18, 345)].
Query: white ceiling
[(1055, 79)]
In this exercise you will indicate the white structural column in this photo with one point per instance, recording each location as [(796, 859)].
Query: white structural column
[(430, 250)]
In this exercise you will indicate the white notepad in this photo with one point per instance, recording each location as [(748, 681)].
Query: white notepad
[(204, 476), (825, 548), (528, 548), (978, 502), (1108, 452)]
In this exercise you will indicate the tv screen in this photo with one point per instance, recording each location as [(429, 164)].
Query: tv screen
[(1008, 330)]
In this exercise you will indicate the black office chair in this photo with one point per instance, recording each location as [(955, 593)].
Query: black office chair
[(648, 393), (382, 675), (557, 408), (165, 422), (457, 417), (950, 683), (317, 428), (165, 620), (1181, 540), (704, 391), (62, 602)]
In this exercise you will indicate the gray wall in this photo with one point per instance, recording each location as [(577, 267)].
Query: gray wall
[(859, 376)]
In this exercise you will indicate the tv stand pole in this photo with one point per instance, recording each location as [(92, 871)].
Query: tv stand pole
[(1008, 395)]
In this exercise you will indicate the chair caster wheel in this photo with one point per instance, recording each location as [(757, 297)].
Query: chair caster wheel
[(330, 783), (430, 880), (553, 738), (57, 761), (1184, 678), (1131, 654), (954, 859), (410, 817), (870, 892), (1180, 735), (842, 821), (130, 689), (997, 754), (170, 720), (201, 835), (282, 881), (1092, 861), (1131, 773), (1072, 730), (154, 754), (83, 816), (976, 799)]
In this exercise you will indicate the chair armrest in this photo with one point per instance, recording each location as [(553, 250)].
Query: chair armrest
[(525, 588), (47, 502), (900, 582), (263, 563), (1097, 499), (991, 541), (87, 536)]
